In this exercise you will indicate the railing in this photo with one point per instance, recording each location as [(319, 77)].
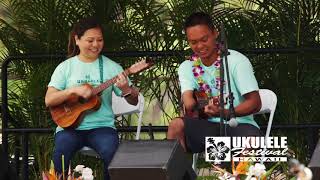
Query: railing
[(25, 132)]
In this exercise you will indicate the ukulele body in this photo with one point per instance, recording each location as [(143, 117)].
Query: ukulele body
[(71, 112)]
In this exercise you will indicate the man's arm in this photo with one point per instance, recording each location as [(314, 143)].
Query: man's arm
[(189, 104), (250, 105)]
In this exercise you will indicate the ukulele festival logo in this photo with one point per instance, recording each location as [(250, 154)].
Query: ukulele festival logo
[(254, 149)]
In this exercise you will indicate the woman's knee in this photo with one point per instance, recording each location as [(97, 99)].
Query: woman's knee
[(107, 154), (67, 142), (106, 146)]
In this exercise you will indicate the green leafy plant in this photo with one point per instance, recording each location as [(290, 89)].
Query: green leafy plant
[(42, 26)]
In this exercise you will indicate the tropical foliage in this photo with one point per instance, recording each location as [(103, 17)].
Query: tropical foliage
[(42, 26)]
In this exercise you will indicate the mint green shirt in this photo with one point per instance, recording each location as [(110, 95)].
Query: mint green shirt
[(73, 72), (242, 81)]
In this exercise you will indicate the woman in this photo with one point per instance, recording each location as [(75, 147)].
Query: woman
[(86, 65)]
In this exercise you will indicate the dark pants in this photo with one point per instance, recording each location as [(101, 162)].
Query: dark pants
[(197, 129), (104, 141)]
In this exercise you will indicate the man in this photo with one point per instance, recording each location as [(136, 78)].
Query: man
[(201, 73)]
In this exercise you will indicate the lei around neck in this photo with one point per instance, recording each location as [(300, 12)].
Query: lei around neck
[(198, 71)]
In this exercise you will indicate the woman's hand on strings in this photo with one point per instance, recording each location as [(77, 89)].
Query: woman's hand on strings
[(122, 83)]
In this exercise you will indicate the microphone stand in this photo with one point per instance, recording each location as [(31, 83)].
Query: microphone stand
[(221, 99), (224, 55)]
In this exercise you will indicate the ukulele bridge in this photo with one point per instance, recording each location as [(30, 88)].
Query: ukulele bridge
[(66, 109)]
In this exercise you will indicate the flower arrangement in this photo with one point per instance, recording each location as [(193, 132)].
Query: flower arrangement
[(85, 172), (244, 170), (79, 173), (257, 171), (51, 174), (299, 170)]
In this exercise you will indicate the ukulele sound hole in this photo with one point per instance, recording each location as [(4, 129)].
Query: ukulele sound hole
[(82, 100)]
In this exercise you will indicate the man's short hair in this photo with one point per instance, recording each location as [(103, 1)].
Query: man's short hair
[(199, 18)]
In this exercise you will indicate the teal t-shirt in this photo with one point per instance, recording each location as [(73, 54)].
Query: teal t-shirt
[(242, 81), (73, 72)]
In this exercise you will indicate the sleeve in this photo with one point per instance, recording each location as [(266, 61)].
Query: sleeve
[(244, 77), (186, 78), (58, 78), (118, 69)]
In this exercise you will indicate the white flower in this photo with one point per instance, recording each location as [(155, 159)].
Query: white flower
[(257, 170), (87, 174), (79, 168), (227, 176), (306, 174), (249, 177)]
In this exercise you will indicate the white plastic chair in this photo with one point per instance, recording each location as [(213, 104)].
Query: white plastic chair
[(268, 105), (121, 107)]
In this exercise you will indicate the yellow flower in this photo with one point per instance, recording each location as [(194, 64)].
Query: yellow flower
[(51, 170), (242, 168)]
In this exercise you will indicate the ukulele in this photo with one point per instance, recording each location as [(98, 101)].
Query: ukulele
[(202, 100), (70, 113)]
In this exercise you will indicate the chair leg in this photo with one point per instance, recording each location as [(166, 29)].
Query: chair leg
[(194, 161), (139, 126), (264, 149), (267, 133)]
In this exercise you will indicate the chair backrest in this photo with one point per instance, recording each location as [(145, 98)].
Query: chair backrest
[(121, 107), (268, 105), (268, 101)]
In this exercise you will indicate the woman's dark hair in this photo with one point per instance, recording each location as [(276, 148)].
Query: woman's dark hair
[(199, 18), (79, 29)]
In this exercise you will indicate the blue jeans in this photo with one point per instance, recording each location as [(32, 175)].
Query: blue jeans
[(104, 141)]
